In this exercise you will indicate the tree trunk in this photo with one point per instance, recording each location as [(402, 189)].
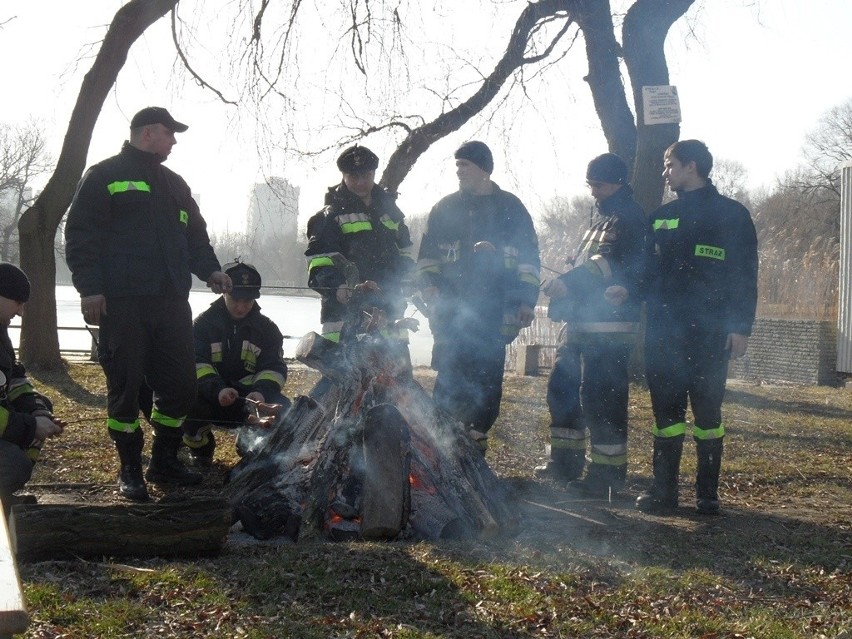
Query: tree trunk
[(645, 28), (603, 52), (184, 528), (39, 347)]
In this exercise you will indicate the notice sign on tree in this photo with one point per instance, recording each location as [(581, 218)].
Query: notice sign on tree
[(661, 105)]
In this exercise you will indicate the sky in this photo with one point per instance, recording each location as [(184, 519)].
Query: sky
[(753, 78)]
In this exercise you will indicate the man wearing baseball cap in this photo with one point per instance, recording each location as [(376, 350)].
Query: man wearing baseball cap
[(134, 238), (238, 363), (26, 418)]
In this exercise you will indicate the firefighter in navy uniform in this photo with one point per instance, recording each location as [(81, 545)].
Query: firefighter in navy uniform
[(478, 269), (26, 417), (362, 224), (599, 299), (238, 357), (134, 237), (702, 294)]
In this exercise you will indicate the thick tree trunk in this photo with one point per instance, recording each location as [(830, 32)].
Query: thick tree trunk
[(185, 528), (645, 28), (39, 341), (603, 53)]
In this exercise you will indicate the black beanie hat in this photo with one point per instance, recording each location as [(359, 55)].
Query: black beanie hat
[(14, 284), (608, 168), (478, 153)]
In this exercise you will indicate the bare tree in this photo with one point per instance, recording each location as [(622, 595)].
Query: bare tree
[(560, 228), (827, 148), (374, 32), (39, 345), (23, 158)]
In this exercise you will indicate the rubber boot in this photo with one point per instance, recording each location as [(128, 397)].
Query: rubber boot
[(165, 467), (201, 446), (601, 482), (662, 496), (564, 465), (707, 477), (131, 485)]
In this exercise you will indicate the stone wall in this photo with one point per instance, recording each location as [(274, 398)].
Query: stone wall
[(796, 351), (779, 350)]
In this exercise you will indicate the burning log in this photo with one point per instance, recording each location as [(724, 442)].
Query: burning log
[(367, 455)]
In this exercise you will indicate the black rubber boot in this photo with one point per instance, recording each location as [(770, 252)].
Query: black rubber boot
[(662, 496), (707, 477), (165, 467), (201, 450), (131, 485), (564, 465), (601, 482)]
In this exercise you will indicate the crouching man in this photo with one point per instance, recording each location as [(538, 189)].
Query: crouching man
[(239, 364), (26, 418)]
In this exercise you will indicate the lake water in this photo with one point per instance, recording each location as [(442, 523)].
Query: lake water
[(295, 316)]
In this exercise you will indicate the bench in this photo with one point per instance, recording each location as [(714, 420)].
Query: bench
[(13, 614)]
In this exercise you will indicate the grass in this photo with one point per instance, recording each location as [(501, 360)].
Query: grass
[(777, 564)]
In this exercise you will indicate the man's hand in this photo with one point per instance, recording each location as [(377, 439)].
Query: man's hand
[(227, 396), (262, 414), (615, 295), (220, 282), (736, 344), (526, 315), (554, 288), (47, 427), (256, 396), (343, 294), (92, 307)]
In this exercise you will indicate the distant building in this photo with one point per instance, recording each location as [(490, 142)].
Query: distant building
[(273, 209)]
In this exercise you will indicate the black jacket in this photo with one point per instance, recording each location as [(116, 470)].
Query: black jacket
[(486, 286), (18, 399), (704, 264), (244, 354), (134, 229), (616, 234), (375, 239)]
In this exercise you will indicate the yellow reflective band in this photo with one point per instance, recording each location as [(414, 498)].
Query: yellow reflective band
[(270, 376), (356, 227), (389, 223), (122, 427), (19, 387), (675, 430), (529, 278), (184, 217), (568, 444), (166, 420), (320, 261), (332, 337), (204, 370), (702, 250), (609, 460), (709, 433), (33, 453), (4, 420), (662, 225), (123, 187)]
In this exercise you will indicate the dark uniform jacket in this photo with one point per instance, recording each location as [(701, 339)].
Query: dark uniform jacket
[(244, 354), (134, 229), (480, 289), (18, 400), (611, 253), (704, 264), (375, 239)]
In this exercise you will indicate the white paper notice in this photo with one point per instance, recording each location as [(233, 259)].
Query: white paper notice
[(661, 105)]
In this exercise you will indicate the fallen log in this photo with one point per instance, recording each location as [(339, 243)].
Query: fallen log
[(174, 528)]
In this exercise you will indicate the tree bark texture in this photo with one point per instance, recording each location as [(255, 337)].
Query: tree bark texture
[(39, 345), (181, 528), (644, 33)]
